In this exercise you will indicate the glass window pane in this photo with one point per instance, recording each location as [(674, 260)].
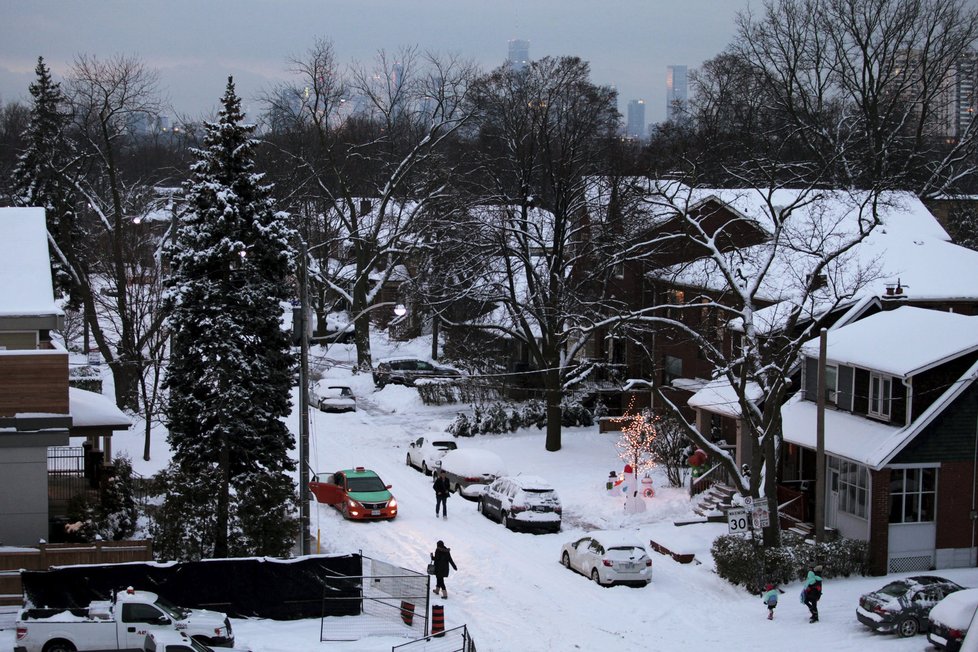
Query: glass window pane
[(861, 509), (929, 479), (927, 502), (911, 508), (913, 480), (896, 481), (896, 508)]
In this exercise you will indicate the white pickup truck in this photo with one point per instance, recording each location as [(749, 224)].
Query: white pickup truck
[(119, 624), (174, 641)]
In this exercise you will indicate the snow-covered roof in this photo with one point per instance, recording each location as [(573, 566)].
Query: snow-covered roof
[(719, 397), (900, 342), (89, 409), (25, 267), (859, 438)]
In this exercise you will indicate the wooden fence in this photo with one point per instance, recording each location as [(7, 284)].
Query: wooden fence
[(47, 555)]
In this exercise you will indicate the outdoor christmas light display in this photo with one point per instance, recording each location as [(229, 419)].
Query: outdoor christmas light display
[(635, 449)]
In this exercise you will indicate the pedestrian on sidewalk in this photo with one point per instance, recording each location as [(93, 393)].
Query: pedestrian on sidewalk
[(442, 558), (442, 490)]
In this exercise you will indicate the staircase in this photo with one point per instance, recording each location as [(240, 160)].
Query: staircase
[(714, 502)]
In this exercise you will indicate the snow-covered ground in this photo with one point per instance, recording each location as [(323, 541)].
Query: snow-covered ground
[(510, 589)]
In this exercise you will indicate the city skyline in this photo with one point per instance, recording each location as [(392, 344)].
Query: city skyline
[(196, 46)]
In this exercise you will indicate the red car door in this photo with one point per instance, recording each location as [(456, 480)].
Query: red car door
[(326, 490)]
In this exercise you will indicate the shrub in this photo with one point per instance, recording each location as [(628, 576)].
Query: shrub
[(493, 418), (739, 561)]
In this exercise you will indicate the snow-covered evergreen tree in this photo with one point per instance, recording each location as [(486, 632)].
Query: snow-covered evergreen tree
[(40, 177), (231, 369)]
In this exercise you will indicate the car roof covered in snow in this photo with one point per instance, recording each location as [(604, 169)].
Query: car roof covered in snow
[(617, 538), (524, 481), (956, 610)]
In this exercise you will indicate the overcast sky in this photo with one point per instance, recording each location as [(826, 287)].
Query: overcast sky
[(196, 44)]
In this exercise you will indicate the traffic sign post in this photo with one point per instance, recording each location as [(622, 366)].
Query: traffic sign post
[(737, 521)]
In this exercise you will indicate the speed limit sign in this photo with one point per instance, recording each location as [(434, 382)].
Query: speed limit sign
[(737, 521)]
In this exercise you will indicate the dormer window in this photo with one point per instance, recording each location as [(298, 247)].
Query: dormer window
[(831, 384), (880, 396)]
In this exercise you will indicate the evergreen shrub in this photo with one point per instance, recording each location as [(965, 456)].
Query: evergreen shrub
[(499, 417), (740, 562)]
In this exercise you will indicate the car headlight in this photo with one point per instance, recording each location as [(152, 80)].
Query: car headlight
[(392, 503)]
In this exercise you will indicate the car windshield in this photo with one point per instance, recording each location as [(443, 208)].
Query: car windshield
[(625, 553), (172, 610), (895, 589), (364, 484), (445, 445), (424, 366)]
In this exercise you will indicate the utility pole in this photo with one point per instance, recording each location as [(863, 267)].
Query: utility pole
[(304, 542), (820, 440)]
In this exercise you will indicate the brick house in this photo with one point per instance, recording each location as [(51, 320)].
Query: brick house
[(38, 410), (900, 435)]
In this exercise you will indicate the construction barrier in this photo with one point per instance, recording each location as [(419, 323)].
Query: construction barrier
[(407, 612), (437, 620)]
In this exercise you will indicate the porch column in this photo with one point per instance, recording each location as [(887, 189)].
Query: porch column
[(879, 521)]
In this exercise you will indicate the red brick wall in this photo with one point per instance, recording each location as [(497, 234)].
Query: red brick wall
[(879, 524), (955, 482)]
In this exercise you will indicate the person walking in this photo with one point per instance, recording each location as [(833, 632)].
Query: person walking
[(812, 592), (770, 598), (442, 490), (442, 558)]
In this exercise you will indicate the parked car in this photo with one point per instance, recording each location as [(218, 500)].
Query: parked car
[(902, 606), (336, 398), (172, 641), (118, 624), (609, 557), (359, 494), (425, 454), (405, 371), (950, 619), (522, 502), (470, 470)]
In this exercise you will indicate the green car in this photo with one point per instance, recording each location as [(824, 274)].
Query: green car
[(358, 493)]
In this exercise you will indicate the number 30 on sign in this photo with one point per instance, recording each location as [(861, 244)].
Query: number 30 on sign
[(737, 521)]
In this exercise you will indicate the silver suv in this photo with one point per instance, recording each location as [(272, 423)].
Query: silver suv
[(522, 502)]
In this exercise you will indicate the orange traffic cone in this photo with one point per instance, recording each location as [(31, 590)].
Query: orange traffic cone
[(437, 620), (407, 613)]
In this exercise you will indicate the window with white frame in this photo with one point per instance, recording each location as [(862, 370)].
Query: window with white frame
[(880, 396), (913, 495), (853, 487), (831, 384)]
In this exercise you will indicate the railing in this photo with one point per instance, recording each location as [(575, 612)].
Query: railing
[(456, 639), (716, 475)]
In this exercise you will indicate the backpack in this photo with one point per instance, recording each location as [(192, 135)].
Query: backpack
[(771, 600), (815, 590)]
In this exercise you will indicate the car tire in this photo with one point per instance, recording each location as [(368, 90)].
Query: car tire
[(425, 469), (504, 519), (481, 507), (908, 627), (595, 576), (408, 460), (59, 646), (565, 559)]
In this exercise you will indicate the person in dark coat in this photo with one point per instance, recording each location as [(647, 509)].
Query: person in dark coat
[(442, 490), (442, 557)]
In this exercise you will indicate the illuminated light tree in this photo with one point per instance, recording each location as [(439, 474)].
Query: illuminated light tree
[(636, 445)]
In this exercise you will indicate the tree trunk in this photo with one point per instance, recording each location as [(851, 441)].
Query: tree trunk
[(772, 533), (554, 394), (222, 518)]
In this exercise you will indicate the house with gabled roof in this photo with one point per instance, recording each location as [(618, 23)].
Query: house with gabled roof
[(900, 435), (38, 410)]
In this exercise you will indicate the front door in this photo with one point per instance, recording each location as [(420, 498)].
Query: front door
[(832, 498)]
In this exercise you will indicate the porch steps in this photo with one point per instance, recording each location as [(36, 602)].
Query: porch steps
[(714, 503)]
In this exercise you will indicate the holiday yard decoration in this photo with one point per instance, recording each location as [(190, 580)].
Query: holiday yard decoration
[(635, 448)]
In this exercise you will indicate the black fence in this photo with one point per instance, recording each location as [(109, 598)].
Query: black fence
[(280, 589), (457, 639)]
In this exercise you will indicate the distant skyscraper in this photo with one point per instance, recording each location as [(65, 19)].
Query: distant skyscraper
[(677, 93), (519, 53), (635, 128)]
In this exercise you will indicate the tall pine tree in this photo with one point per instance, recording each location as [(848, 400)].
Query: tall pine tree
[(42, 176), (231, 368)]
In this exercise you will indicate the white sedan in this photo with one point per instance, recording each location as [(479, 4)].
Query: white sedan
[(425, 454), (609, 557)]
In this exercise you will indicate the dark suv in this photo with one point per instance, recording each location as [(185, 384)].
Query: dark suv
[(405, 371)]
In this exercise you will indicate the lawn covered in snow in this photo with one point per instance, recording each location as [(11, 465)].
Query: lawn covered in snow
[(510, 589)]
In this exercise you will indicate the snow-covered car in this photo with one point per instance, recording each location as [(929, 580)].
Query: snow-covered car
[(902, 606), (469, 470), (406, 371), (336, 398), (359, 494), (425, 454), (173, 641), (950, 619), (609, 557), (522, 502)]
